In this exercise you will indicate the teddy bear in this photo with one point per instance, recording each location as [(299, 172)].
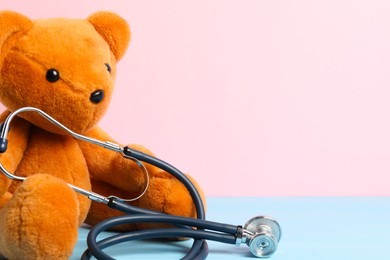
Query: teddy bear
[(67, 68)]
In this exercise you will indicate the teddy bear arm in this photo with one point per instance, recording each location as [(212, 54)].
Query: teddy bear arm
[(110, 167), (17, 144)]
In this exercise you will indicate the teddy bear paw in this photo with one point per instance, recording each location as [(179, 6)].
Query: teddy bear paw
[(40, 221)]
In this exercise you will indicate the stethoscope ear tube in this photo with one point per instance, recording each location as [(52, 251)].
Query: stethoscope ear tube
[(3, 141)]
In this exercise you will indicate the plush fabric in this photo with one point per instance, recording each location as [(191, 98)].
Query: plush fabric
[(60, 65)]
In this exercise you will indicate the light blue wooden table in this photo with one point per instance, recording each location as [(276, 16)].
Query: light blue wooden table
[(314, 228)]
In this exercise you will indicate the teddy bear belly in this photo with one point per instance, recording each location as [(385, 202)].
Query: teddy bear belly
[(59, 156)]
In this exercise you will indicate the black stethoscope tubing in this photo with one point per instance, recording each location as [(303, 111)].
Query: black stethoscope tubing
[(96, 247), (199, 249)]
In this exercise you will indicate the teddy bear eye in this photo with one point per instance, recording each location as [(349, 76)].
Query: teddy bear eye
[(108, 67), (52, 75)]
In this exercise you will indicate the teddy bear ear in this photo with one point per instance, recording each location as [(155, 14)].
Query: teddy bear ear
[(114, 29), (10, 23)]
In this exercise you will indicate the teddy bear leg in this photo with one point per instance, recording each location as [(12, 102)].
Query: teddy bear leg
[(168, 195), (40, 221)]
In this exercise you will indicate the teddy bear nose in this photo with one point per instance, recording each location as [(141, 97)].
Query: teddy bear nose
[(97, 96)]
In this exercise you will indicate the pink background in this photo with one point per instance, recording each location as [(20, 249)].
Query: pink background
[(254, 97)]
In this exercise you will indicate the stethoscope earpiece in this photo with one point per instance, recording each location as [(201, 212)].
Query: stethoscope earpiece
[(262, 235)]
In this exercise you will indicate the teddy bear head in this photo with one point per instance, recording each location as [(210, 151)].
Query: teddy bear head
[(65, 67)]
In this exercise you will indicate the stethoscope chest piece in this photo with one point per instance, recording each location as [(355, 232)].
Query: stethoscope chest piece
[(264, 235)]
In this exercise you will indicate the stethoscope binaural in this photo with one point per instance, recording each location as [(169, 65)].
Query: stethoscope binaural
[(261, 233)]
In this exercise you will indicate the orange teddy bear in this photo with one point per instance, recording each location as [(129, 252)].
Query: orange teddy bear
[(65, 67)]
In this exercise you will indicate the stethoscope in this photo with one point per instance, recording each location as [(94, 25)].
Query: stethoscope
[(261, 233)]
